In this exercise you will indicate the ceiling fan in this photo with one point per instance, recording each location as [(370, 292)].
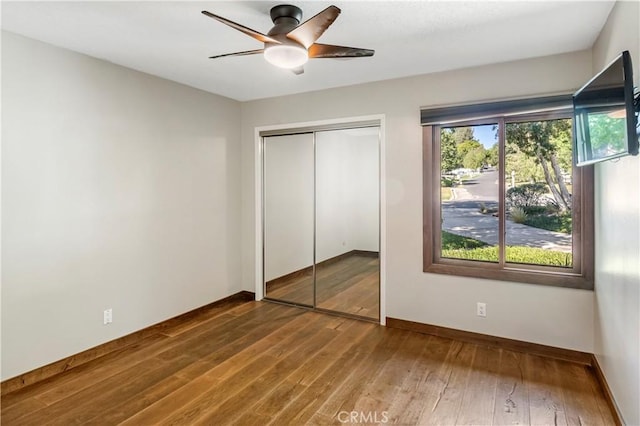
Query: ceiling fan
[(289, 44)]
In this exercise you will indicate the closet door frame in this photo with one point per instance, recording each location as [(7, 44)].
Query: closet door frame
[(295, 128)]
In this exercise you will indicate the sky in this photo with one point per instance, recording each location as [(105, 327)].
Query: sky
[(485, 135)]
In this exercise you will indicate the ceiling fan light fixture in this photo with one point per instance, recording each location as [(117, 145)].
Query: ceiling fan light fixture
[(286, 55)]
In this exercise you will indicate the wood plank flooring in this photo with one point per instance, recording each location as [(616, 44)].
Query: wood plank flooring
[(349, 285), (259, 363)]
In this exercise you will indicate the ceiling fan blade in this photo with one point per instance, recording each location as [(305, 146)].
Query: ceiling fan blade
[(309, 31), (248, 31), (298, 70), (318, 50), (246, 52)]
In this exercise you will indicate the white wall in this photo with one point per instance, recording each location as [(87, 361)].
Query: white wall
[(553, 316), (333, 196), (119, 190), (617, 288), (347, 199)]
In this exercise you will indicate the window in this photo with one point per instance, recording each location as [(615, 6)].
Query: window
[(502, 199)]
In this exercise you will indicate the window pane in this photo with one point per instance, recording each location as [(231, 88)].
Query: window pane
[(538, 166), (469, 192)]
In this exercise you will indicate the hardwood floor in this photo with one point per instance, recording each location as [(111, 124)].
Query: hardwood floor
[(258, 363), (350, 284)]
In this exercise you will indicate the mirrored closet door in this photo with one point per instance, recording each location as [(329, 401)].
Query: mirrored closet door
[(288, 203), (347, 221), (321, 220)]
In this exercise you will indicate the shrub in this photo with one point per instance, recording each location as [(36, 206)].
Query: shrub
[(551, 222), (551, 206), (526, 196), (518, 214), (535, 210), (447, 182)]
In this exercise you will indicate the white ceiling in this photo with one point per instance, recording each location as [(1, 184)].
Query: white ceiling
[(172, 39)]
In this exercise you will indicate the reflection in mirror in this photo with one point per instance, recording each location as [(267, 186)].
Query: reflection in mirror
[(288, 218), (347, 221)]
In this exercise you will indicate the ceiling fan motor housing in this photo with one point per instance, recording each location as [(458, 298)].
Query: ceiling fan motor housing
[(285, 18), (285, 14)]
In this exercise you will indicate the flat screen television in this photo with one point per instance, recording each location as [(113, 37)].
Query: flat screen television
[(604, 114)]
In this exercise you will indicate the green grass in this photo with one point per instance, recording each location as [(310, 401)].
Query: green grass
[(459, 247), (550, 222), (538, 256), (453, 242), (486, 254)]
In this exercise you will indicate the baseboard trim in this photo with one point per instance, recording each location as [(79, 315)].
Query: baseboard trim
[(366, 253), (611, 402), (485, 339), (68, 363)]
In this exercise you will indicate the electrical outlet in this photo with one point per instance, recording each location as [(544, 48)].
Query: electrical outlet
[(107, 317), (481, 309)]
